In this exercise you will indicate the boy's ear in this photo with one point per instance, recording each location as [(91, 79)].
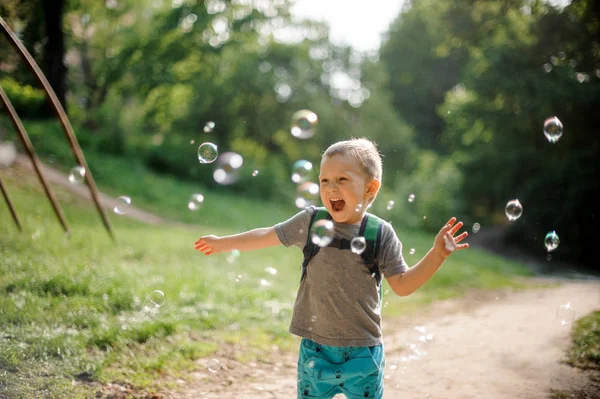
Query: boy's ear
[(373, 188)]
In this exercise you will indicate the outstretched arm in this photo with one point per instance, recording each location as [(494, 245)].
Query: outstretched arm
[(445, 243), (247, 241)]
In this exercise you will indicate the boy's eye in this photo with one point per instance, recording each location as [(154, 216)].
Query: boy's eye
[(343, 178)]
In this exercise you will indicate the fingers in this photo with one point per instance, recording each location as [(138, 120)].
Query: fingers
[(462, 246), (448, 225), (461, 237), (456, 228)]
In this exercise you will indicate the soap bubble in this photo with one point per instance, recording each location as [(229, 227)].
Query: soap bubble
[(76, 175), (304, 123), (210, 125), (322, 232), (565, 314), (301, 171), (476, 227), (155, 300), (255, 173), (233, 256), (390, 205), (195, 202), (8, 154), (411, 251), (271, 270), (307, 194), (551, 241), (214, 366), (358, 245), (553, 129), (207, 152), (513, 210), (123, 205), (229, 164), (411, 198)]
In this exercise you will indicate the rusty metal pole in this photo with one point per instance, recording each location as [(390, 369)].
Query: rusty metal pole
[(12, 209), (14, 117), (14, 40)]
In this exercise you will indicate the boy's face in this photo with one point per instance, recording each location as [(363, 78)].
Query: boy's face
[(343, 187)]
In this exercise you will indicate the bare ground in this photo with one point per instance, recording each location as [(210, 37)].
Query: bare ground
[(505, 344)]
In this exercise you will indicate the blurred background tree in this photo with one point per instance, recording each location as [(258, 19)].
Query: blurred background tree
[(456, 99)]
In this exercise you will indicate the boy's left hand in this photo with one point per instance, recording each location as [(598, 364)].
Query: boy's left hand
[(445, 243)]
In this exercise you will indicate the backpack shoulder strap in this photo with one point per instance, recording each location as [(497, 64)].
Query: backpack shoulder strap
[(371, 229), (310, 248)]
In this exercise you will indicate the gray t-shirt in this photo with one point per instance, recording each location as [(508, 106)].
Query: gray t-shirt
[(338, 301)]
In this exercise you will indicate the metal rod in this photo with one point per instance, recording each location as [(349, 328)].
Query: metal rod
[(12, 209), (14, 40), (14, 117)]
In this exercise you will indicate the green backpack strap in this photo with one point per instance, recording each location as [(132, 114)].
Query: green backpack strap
[(310, 248), (371, 229)]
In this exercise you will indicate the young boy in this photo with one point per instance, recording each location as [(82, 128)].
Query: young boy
[(337, 311)]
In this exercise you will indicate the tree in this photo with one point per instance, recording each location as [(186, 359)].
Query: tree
[(533, 63)]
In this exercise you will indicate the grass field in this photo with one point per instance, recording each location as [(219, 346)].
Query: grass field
[(74, 308)]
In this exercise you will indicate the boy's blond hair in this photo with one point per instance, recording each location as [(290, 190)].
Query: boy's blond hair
[(364, 151)]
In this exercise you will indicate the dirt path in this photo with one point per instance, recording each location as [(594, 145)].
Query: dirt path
[(56, 177), (493, 345)]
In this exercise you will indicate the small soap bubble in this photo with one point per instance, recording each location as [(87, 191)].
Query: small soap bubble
[(301, 171), (233, 256), (157, 297), (322, 232), (195, 202), (123, 205), (547, 67), (271, 270), (192, 141), (304, 123), (411, 198), (565, 314), (390, 205), (207, 152), (476, 227), (358, 245), (214, 366), (553, 129), (210, 125), (229, 164), (307, 194), (264, 283), (513, 210), (255, 173), (76, 175), (411, 251), (551, 241), (358, 208), (313, 318)]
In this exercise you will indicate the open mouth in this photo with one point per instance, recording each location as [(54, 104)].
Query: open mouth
[(337, 204)]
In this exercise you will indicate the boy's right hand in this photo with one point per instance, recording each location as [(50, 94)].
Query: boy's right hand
[(208, 245)]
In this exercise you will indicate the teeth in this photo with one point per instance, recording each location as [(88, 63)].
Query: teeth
[(335, 199)]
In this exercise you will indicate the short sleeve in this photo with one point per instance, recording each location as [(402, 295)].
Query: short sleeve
[(295, 230), (389, 254)]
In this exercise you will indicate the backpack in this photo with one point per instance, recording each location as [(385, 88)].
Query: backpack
[(370, 228)]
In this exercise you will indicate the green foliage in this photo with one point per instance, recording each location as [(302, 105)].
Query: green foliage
[(27, 100), (495, 119), (585, 349)]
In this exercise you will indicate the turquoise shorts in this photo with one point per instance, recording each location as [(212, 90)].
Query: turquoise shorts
[(355, 371)]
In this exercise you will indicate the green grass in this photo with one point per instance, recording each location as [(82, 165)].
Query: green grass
[(585, 349), (73, 309)]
